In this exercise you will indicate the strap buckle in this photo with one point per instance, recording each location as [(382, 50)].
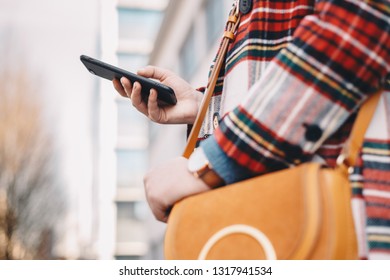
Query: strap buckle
[(232, 20), (343, 163)]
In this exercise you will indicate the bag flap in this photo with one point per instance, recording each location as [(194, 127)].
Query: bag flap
[(284, 207)]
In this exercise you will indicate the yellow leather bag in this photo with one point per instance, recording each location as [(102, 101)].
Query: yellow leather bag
[(298, 213)]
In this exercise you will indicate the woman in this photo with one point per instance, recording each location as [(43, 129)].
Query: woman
[(294, 78)]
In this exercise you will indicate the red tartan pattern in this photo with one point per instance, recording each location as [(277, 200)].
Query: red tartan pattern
[(322, 59)]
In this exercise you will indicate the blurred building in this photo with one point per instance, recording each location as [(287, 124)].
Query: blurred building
[(179, 35), (189, 37), (126, 228), (187, 42), (105, 145), (102, 141)]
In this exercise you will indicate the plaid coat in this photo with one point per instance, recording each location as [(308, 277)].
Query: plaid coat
[(292, 82)]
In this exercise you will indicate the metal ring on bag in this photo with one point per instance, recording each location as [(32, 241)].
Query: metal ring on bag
[(258, 235)]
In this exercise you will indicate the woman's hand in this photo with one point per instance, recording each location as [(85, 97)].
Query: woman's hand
[(188, 99), (167, 184)]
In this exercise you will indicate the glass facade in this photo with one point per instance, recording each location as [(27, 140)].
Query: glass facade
[(188, 55), (191, 51), (214, 20), (136, 28), (132, 127), (132, 61), (136, 24), (129, 222), (131, 165)]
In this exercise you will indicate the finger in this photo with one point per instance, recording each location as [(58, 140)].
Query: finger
[(154, 72), (127, 86), (168, 211), (119, 88), (164, 219), (154, 110), (136, 99), (160, 215)]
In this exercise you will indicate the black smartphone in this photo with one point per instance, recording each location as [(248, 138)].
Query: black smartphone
[(166, 95)]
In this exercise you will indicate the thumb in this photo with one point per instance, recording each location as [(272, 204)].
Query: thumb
[(153, 72)]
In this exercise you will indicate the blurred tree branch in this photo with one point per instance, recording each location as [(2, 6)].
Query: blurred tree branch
[(30, 197)]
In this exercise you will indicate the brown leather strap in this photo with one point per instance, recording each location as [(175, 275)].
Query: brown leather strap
[(351, 149), (232, 25)]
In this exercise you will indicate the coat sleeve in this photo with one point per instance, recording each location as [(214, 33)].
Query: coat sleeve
[(338, 56)]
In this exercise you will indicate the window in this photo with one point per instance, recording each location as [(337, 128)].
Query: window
[(214, 20), (132, 62), (131, 166), (138, 24), (132, 126), (131, 210), (129, 225), (188, 57)]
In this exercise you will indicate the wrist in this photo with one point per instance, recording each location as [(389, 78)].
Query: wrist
[(201, 168), (197, 101), (199, 97), (230, 170)]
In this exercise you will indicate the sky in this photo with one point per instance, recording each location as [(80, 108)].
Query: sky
[(47, 37)]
